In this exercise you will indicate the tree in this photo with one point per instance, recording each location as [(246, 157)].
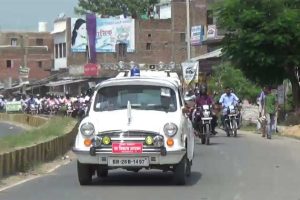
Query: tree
[(226, 75), (263, 39), (134, 8)]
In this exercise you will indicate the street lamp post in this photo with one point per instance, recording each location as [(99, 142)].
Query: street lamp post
[(188, 34)]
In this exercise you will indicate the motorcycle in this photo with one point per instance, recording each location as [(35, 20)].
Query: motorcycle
[(69, 110), (204, 118), (231, 121), (32, 109)]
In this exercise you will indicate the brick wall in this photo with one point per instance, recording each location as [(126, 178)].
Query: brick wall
[(39, 54)]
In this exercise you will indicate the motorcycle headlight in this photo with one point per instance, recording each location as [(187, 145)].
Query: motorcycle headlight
[(170, 129), (87, 129)]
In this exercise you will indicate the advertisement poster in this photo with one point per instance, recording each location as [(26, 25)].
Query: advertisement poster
[(196, 35), (78, 35), (211, 32), (111, 31), (190, 71)]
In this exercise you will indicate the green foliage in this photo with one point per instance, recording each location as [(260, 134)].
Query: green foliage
[(263, 36), (53, 128), (226, 75), (114, 7)]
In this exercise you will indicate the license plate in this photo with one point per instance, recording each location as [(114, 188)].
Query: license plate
[(128, 161), (127, 148)]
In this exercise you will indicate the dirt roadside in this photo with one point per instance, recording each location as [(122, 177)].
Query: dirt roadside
[(292, 131)]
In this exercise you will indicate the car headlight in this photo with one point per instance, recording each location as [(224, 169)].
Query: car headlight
[(87, 129), (170, 129)]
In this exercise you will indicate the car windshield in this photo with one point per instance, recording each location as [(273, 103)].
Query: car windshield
[(141, 97)]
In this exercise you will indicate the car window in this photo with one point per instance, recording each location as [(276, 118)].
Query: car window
[(141, 97)]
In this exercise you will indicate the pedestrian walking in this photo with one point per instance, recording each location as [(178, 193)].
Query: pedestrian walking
[(270, 111), (261, 111)]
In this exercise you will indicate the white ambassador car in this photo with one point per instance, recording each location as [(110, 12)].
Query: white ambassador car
[(136, 122)]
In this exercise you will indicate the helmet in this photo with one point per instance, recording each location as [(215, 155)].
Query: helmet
[(203, 89)]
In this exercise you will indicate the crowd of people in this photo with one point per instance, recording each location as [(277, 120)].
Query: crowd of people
[(49, 104)]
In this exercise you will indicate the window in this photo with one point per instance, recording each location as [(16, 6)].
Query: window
[(141, 97), (13, 42), (182, 37), (56, 50), (8, 63), (149, 35), (121, 49), (60, 50), (39, 42), (40, 64), (64, 50), (209, 17), (148, 46)]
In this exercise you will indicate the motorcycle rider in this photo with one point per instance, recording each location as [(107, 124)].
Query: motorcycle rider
[(227, 99), (204, 99), (30, 102)]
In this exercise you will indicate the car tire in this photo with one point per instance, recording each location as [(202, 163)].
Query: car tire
[(102, 172), (180, 172), (85, 173)]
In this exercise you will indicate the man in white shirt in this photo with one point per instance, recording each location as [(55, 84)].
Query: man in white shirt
[(227, 99)]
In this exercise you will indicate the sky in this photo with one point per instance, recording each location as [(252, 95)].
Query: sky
[(24, 15)]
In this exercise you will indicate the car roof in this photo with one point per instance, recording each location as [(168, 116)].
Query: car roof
[(147, 77)]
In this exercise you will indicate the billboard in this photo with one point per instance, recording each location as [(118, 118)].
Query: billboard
[(111, 31), (211, 32), (197, 35), (78, 35)]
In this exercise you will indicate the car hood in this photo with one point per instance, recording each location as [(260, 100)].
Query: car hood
[(140, 120)]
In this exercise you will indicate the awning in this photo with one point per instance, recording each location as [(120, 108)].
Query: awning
[(214, 54), (63, 82)]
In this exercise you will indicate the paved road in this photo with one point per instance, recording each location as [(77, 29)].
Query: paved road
[(8, 129), (244, 168)]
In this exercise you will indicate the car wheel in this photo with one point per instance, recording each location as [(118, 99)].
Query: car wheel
[(102, 172), (180, 172), (85, 173)]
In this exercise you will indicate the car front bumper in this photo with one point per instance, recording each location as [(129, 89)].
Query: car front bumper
[(155, 157)]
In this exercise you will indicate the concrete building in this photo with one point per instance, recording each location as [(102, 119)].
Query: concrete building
[(30, 50), (157, 39)]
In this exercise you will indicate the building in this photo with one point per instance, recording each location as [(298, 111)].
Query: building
[(157, 39), (25, 57)]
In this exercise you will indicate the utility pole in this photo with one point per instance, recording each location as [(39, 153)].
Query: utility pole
[(188, 34)]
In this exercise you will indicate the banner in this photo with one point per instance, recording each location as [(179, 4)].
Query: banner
[(190, 71), (91, 32), (14, 106), (197, 35), (211, 32), (112, 31), (78, 35), (24, 71), (91, 69)]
